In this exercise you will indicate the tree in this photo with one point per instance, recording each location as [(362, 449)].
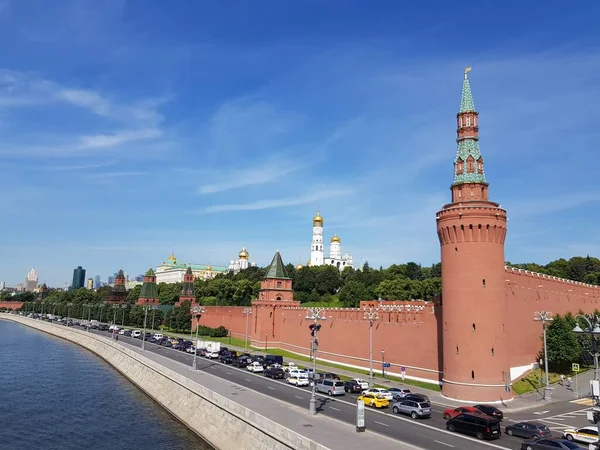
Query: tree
[(413, 271), (134, 294), (327, 280), (168, 293), (353, 293), (563, 345)]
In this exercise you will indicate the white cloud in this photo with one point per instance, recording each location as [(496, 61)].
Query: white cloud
[(116, 139), (279, 203)]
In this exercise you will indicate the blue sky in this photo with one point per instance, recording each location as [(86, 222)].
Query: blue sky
[(131, 128)]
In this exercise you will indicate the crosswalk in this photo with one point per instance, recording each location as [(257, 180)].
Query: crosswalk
[(584, 401), (560, 422)]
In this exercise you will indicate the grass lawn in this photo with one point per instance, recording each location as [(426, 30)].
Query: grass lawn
[(531, 382)]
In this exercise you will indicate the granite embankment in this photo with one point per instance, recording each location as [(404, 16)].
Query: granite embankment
[(223, 423)]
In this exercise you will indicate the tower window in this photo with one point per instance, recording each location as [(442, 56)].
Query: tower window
[(473, 327), (459, 166), (460, 121), (456, 250), (479, 166), (457, 349), (468, 119), (492, 351), (279, 284), (472, 374), (470, 165), (483, 282)]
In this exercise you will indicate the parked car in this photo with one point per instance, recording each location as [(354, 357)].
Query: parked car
[(412, 408), (587, 435), (255, 367), (528, 430), (241, 361), (330, 376), (451, 413), (362, 383), (478, 425), (298, 373), (298, 381), (374, 400), (422, 398), (136, 334), (398, 393), (330, 387), (352, 386), (273, 359), (226, 358), (274, 372), (381, 392), (290, 366), (543, 444), (490, 411)]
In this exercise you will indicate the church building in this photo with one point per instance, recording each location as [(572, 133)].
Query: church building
[(317, 256)]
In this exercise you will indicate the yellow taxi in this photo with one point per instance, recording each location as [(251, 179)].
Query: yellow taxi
[(374, 400), (588, 435)]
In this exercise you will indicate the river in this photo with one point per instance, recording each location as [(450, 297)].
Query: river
[(57, 395)]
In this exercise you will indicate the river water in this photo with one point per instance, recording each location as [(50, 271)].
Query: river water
[(57, 395)]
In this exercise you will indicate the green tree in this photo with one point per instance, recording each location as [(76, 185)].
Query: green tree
[(134, 294), (563, 345), (305, 280), (327, 280), (168, 293), (413, 271), (352, 293)]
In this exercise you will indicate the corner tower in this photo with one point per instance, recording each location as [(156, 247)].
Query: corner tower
[(471, 230)]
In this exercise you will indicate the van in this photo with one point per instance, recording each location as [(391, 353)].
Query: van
[(330, 387), (273, 359), (157, 336), (478, 425)]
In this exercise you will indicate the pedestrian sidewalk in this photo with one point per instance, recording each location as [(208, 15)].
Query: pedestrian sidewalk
[(436, 397), (578, 392)]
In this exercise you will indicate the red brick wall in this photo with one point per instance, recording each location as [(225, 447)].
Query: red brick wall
[(11, 305)]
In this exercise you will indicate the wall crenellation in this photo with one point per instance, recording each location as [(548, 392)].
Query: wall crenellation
[(565, 281)]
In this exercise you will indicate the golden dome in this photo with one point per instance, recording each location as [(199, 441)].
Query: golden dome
[(208, 268), (172, 257), (299, 266), (243, 254), (318, 220), (335, 238), (308, 264)]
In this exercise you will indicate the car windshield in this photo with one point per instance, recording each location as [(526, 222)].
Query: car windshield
[(424, 405)]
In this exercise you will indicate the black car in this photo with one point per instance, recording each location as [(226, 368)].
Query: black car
[(490, 411), (352, 386), (478, 425), (528, 430), (419, 398), (274, 372), (226, 358), (330, 376), (543, 444), (241, 362)]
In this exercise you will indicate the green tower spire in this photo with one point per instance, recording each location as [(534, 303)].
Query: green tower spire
[(466, 101), (277, 269)]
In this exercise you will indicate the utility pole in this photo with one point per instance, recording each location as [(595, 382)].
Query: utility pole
[(197, 310), (247, 312), (314, 314), (371, 314), (545, 316)]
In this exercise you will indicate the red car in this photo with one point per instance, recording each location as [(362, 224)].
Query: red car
[(452, 413)]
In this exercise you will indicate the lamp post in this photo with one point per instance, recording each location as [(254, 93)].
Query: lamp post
[(266, 341), (247, 312), (593, 330), (314, 314), (146, 308), (114, 333), (371, 314), (89, 317), (197, 310), (383, 363), (123, 316), (545, 316)]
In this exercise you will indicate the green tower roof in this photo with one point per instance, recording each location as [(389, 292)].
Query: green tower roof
[(149, 289), (150, 272), (466, 148), (276, 269), (466, 100)]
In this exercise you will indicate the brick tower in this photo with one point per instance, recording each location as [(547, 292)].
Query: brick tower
[(187, 288), (276, 286), (119, 291), (149, 291), (471, 231)]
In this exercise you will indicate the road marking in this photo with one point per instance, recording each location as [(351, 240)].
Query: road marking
[(381, 423), (228, 373), (584, 401), (443, 443), (248, 380), (297, 396), (272, 388), (541, 413), (335, 409)]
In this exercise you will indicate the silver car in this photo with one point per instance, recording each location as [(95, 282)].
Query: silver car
[(412, 408)]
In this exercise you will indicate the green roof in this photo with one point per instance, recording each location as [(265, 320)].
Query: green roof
[(149, 288), (150, 273), (466, 148), (196, 267), (466, 101), (276, 269)]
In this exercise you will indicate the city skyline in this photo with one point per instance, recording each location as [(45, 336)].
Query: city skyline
[(199, 131)]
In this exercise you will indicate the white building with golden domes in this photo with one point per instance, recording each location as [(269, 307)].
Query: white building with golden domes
[(172, 272), (317, 254), (243, 261)]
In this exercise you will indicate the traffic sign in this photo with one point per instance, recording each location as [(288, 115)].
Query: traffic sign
[(387, 365), (575, 367)]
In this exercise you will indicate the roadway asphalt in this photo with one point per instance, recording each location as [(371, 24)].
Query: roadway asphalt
[(424, 433)]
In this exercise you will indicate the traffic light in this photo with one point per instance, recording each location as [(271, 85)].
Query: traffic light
[(314, 329)]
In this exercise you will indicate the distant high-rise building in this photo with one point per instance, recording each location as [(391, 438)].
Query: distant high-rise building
[(90, 283), (139, 278), (31, 281), (2, 285), (78, 278), (111, 280), (97, 282)]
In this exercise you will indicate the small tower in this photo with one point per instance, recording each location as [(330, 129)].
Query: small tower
[(187, 288), (43, 291), (335, 247), (316, 250), (276, 286), (471, 231), (119, 291), (149, 292)]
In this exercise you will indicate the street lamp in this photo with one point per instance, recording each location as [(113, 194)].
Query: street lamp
[(383, 363), (146, 308), (371, 314), (266, 341), (198, 311), (593, 330), (114, 334), (314, 314), (545, 316), (123, 316), (247, 312), (89, 317)]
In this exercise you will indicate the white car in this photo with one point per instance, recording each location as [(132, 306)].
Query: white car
[(255, 367), (191, 349), (136, 333), (362, 383), (587, 435), (290, 366), (379, 392), (297, 373), (157, 336), (298, 381), (215, 355)]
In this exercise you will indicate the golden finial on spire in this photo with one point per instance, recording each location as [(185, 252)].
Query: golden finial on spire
[(467, 70)]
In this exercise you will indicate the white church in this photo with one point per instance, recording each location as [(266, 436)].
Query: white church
[(317, 254)]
